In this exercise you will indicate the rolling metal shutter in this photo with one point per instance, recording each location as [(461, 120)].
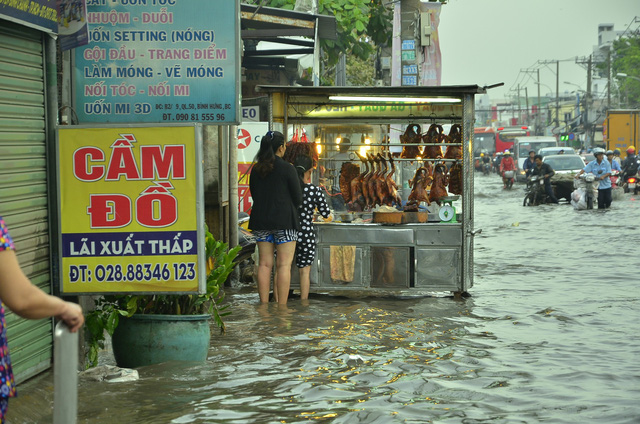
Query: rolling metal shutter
[(23, 184)]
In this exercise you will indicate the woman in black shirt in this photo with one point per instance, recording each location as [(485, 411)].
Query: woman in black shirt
[(276, 194)]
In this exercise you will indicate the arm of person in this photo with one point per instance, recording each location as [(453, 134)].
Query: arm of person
[(321, 203), (28, 301)]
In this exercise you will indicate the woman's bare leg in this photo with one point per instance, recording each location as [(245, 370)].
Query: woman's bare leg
[(265, 266), (305, 282), (284, 259)]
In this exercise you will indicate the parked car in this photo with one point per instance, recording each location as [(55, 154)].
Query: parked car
[(546, 151)]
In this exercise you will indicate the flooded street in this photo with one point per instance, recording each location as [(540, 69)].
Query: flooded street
[(550, 334)]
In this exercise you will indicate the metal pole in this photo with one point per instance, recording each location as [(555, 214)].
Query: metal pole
[(526, 98), (65, 375), (557, 93), (233, 186), (587, 100), (609, 79), (539, 110)]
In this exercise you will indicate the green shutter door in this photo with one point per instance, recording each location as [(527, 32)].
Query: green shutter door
[(23, 184)]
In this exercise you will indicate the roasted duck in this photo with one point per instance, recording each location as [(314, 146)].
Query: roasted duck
[(455, 137), (347, 173), (440, 182), (393, 187), (434, 135), (411, 141), (358, 203), (419, 187), (373, 196), (368, 194), (382, 189), (455, 178)]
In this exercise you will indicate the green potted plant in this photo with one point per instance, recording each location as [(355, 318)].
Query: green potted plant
[(148, 329)]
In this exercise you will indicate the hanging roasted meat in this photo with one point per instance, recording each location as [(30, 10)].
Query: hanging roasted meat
[(419, 186), (372, 181), (411, 140), (433, 135), (357, 203), (440, 182), (382, 188), (455, 138), (393, 187), (366, 191), (455, 178), (347, 173)]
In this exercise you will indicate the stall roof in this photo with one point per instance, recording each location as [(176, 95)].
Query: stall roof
[(409, 91), (273, 23)]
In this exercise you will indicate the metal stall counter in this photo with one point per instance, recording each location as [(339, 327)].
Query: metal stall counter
[(396, 166)]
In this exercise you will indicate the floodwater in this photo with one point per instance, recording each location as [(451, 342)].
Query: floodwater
[(550, 334)]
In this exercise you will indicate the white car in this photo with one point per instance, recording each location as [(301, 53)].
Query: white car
[(565, 163), (546, 151)]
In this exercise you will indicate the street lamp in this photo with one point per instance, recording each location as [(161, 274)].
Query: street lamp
[(623, 75), (570, 83)]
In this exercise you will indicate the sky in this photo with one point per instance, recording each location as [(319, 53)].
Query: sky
[(485, 42)]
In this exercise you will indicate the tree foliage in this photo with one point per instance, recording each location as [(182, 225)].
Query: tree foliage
[(625, 59), (362, 26)]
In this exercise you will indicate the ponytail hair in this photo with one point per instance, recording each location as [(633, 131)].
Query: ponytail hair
[(266, 156), (303, 163)]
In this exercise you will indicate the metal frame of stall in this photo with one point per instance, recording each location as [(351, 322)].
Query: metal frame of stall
[(427, 257)]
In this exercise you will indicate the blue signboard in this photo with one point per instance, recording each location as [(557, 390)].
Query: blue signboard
[(159, 61), (410, 69), (408, 44), (39, 14), (409, 80)]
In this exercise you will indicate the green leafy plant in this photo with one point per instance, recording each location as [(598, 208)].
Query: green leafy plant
[(108, 309)]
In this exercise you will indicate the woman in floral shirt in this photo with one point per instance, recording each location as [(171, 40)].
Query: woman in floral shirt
[(28, 301)]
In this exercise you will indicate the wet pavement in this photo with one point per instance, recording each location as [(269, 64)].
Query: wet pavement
[(548, 335)]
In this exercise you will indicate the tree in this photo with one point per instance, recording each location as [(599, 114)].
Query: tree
[(625, 59), (362, 26)]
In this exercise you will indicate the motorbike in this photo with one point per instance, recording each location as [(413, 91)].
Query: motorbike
[(535, 192), (589, 180), (247, 242), (486, 168), (509, 176), (630, 183)]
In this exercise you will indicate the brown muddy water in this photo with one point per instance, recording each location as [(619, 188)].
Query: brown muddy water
[(550, 334)]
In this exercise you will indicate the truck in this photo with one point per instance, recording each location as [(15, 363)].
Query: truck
[(621, 129)]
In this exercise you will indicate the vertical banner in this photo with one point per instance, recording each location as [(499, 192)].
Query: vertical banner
[(131, 210), (160, 61), (431, 66), (249, 135), (72, 23)]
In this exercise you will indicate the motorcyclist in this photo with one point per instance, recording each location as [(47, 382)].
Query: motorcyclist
[(486, 160), (602, 170), (615, 166), (616, 156), (496, 161), (544, 170), (507, 164), (630, 164), (529, 163)]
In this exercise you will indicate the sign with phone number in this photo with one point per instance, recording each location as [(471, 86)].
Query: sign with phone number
[(131, 214)]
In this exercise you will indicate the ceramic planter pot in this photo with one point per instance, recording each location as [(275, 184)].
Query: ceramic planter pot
[(152, 339)]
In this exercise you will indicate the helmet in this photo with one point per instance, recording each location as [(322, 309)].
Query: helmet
[(506, 152), (631, 150), (481, 155), (598, 151), (609, 152), (616, 152)]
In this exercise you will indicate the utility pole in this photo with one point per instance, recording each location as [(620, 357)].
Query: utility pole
[(526, 98), (587, 104), (609, 79), (539, 111), (557, 93)]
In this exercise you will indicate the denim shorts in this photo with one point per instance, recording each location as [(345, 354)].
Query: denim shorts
[(275, 236)]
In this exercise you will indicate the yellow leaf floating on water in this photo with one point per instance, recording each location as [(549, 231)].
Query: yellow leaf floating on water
[(515, 224)]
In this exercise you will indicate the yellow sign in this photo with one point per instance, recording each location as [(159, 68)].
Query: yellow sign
[(373, 110), (130, 217)]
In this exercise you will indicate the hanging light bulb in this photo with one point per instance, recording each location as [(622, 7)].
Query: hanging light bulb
[(338, 139), (318, 145)]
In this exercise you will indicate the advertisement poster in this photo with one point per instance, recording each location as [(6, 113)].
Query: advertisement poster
[(249, 135), (131, 210), (38, 14), (160, 61), (72, 23)]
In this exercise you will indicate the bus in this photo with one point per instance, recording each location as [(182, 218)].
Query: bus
[(484, 138), (521, 147), (506, 135)]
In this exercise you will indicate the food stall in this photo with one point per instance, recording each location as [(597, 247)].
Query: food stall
[(405, 220)]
